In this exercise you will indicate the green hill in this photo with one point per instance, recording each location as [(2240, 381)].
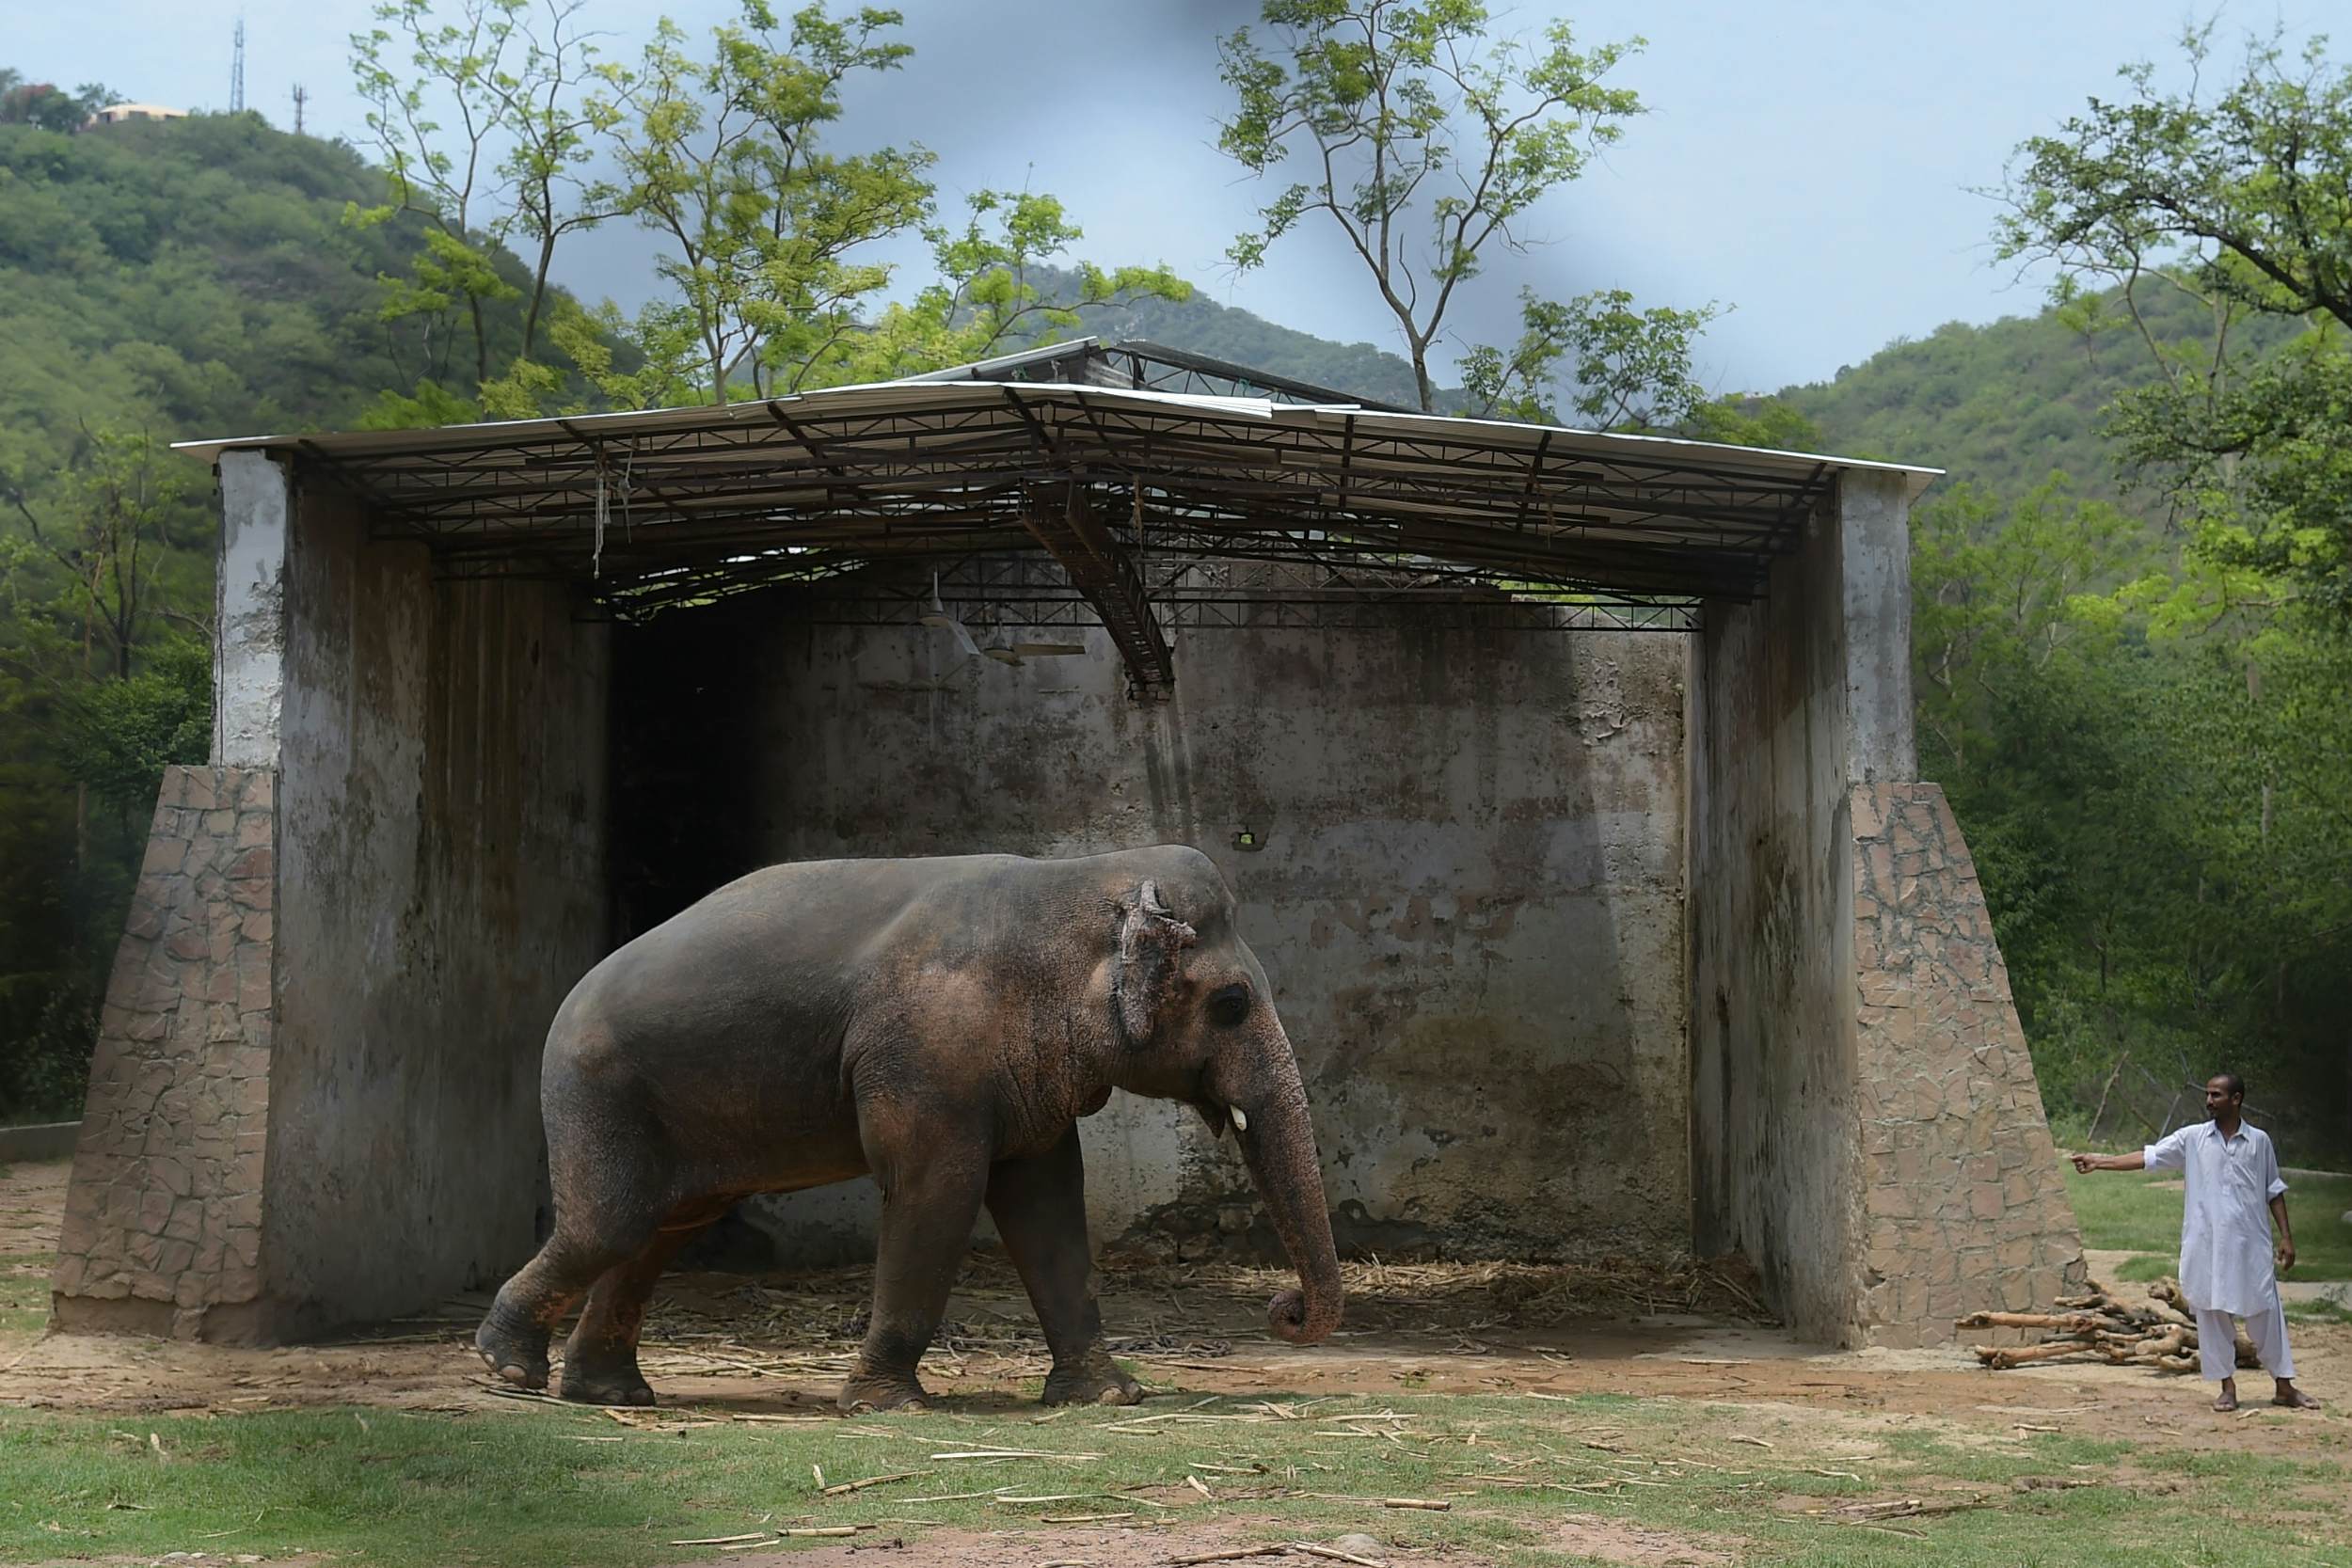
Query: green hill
[(1226, 332), (2003, 404), (195, 276), (190, 276)]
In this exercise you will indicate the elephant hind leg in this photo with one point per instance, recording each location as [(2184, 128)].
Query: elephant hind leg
[(513, 1339), (601, 1358), (609, 1206)]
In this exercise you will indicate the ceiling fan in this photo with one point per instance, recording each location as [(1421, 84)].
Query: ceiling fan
[(1014, 652)]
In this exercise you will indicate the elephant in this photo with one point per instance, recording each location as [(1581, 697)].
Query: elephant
[(939, 1025)]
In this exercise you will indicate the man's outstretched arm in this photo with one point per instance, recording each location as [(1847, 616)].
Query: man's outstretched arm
[(2136, 1160)]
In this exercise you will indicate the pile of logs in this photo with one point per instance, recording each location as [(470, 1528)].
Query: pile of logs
[(2160, 1332)]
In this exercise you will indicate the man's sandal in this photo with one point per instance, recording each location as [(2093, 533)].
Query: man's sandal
[(2224, 1403), (2296, 1400)]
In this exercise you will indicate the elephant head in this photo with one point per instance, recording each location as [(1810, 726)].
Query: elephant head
[(1192, 1019)]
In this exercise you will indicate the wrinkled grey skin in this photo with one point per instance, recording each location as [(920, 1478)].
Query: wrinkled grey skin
[(938, 1023)]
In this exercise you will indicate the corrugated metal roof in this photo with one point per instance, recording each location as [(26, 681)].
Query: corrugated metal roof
[(953, 463)]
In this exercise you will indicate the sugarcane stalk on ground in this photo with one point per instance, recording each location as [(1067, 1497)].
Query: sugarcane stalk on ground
[(2159, 1333)]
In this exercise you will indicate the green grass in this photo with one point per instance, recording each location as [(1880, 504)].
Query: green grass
[(2326, 1310), (542, 1484), (2128, 1211)]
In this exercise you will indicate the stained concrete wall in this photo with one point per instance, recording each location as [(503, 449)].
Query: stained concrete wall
[(1772, 1094), (249, 610), (441, 886), (1466, 889)]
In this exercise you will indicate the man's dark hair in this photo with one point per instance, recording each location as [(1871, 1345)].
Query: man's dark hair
[(2237, 1084)]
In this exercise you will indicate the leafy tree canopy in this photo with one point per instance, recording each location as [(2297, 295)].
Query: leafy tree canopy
[(1425, 141), (2239, 199)]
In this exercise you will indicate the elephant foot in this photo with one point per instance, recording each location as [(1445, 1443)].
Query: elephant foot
[(1097, 1380), (593, 1384), (519, 1356), (874, 1391)]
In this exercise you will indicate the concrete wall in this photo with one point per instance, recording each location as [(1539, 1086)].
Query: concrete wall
[(1466, 888), (442, 885), (1774, 1108)]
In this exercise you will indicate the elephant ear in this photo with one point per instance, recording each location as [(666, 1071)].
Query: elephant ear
[(1150, 946)]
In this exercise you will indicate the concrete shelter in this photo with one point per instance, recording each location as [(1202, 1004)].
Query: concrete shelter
[(1566, 781)]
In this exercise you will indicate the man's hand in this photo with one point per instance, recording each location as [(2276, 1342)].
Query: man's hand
[(2085, 1163), (2286, 1254)]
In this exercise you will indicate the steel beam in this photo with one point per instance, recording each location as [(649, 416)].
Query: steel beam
[(1062, 519)]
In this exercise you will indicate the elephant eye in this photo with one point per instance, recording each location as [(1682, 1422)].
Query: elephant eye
[(1228, 1006)]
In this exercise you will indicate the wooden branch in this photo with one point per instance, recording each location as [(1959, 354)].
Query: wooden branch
[(2071, 1322), (2000, 1358)]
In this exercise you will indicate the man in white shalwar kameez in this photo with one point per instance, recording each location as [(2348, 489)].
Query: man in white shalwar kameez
[(2233, 1191)]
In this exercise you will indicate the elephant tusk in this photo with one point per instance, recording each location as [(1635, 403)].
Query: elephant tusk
[(1241, 1121)]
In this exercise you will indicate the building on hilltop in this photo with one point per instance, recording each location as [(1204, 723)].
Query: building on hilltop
[(116, 114)]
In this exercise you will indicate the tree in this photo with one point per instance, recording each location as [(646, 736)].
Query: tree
[(102, 693), (1425, 143), (2242, 201), (526, 105), (106, 540), (2000, 591), (1753, 422), (40, 104), (984, 297), (443, 175), (723, 157), (1627, 369), (553, 122), (119, 736)]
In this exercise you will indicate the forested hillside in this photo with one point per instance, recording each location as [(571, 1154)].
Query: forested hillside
[(2004, 404), (191, 276), (1226, 332)]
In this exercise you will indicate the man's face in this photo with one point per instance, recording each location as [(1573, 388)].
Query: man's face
[(2219, 1101)]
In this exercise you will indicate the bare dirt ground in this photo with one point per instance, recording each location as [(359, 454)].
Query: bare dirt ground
[(32, 1201), (734, 1346), (1579, 1535)]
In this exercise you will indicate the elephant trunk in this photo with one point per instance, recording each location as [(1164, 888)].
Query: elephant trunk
[(1280, 1149)]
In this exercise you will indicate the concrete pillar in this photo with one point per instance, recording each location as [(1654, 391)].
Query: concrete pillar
[(1874, 552), (250, 647)]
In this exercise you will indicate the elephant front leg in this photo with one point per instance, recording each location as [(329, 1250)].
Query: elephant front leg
[(929, 1203), (1039, 1207)]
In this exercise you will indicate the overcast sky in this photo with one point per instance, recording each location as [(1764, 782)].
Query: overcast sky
[(1809, 165)]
